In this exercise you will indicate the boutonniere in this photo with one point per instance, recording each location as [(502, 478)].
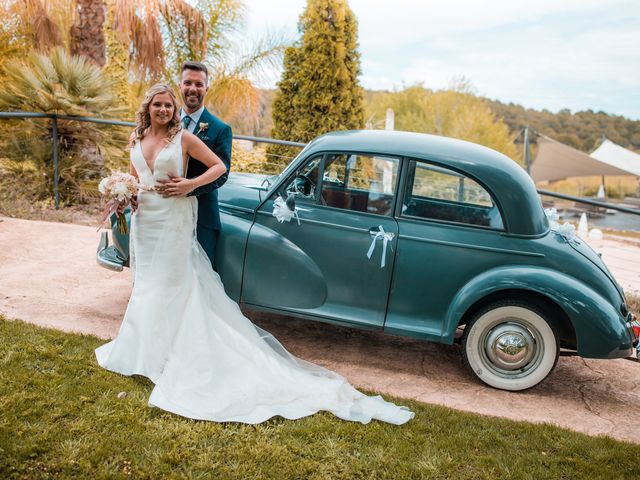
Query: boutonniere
[(203, 126)]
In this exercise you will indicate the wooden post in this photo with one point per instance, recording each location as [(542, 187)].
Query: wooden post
[(389, 121)]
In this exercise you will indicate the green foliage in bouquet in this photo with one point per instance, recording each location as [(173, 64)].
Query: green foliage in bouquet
[(319, 90), (66, 85)]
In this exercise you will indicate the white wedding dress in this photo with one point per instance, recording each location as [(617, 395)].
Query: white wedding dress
[(181, 330)]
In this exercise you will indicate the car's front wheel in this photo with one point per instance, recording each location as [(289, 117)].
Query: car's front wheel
[(510, 345)]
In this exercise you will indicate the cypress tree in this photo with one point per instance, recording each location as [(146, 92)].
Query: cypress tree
[(319, 90)]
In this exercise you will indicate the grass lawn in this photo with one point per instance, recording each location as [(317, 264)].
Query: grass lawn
[(62, 418)]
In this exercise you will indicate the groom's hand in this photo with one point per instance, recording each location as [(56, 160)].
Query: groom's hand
[(176, 187)]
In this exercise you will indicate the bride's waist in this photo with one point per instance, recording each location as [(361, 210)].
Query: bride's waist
[(156, 197)]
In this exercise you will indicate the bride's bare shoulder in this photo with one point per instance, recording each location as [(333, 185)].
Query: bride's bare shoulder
[(187, 138)]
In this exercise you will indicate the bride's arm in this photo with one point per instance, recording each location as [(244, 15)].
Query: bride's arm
[(132, 169), (193, 147)]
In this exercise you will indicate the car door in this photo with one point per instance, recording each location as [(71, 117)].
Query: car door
[(450, 230), (336, 259)]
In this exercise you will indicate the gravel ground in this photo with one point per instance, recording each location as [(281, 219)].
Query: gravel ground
[(48, 276)]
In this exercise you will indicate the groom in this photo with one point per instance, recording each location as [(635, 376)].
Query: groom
[(194, 82)]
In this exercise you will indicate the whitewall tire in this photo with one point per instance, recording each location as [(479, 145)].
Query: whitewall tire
[(510, 345)]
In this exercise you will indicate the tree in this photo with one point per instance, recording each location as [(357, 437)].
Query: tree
[(165, 33), (87, 33), (67, 85), (319, 89), (456, 112), (147, 40)]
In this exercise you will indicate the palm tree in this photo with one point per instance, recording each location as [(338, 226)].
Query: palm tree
[(87, 33), (44, 23), (158, 35), (67, 85), (162, 34)]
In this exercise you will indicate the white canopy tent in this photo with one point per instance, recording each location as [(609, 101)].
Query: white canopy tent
[(556, 161), (617, 156)]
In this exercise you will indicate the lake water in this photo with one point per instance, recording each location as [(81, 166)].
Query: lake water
[(616, 221)]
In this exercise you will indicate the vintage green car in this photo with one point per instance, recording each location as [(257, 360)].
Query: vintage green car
[(422, 236)]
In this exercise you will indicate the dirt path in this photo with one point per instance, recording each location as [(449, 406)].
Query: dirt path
[(48, 276)]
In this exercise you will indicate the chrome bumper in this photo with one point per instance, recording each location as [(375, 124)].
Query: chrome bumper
[(633, 325), (108, 256)]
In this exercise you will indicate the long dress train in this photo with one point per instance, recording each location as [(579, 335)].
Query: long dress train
[(206, 359)]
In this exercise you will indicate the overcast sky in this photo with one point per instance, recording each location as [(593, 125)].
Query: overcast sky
[(553, 54)]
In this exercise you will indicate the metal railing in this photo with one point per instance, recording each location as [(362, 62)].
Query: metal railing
[(56, 147), (56, 160), (588, 201)]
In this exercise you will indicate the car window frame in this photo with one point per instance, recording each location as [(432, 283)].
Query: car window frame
[(295, 172), (404, 177), (325, 154)]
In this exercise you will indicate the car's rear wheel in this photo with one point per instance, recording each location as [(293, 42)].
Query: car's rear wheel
[(510, 345)]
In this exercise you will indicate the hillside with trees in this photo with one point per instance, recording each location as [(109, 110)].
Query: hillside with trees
[(582, 130), (456, 112)]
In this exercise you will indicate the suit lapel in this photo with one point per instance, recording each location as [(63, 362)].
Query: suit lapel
[(204, 118)]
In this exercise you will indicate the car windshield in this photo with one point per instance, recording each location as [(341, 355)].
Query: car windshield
[(289, 167)]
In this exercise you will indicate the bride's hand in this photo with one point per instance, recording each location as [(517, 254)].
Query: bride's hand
[(176, 187)]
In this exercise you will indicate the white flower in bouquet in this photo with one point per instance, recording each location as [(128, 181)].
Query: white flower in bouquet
[(102, 187), (118, 188), (121, 192)]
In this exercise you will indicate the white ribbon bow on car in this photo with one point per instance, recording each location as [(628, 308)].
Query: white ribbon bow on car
[(386, 238), (282, 212)]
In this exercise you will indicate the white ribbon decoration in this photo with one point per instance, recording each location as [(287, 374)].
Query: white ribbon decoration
[(386, 238), (282, 212), (566, 230)]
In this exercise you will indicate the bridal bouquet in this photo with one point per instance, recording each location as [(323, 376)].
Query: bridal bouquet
[(118, 188)]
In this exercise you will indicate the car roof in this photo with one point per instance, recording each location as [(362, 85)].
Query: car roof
[(512, 187)]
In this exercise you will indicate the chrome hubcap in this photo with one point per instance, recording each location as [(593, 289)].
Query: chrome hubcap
[(510, 346)]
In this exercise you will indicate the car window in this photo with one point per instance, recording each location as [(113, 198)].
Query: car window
[(362, 183), (441, 194)]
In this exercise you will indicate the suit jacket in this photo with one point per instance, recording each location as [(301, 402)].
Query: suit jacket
[(217, 136)]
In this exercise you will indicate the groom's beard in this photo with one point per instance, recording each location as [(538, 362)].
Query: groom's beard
[(193, 102)]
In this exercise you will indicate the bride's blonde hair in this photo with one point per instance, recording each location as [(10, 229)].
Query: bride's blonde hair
[(143, 119)]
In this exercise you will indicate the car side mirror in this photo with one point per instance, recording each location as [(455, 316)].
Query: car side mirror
[(290, 202)]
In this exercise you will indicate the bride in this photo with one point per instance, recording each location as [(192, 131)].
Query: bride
[(206, 359)]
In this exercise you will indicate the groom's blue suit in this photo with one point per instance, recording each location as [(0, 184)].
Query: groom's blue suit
[(217, 136)]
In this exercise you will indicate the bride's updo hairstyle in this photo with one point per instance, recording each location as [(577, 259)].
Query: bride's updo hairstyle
[(143, 119)]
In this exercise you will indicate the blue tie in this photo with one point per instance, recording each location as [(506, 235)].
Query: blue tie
[(186, 121)]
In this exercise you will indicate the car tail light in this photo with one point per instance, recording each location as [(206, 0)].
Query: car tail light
[(634, 327)]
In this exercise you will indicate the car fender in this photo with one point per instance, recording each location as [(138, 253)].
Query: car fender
[(230, 249), (600, 331), (279, 274)]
